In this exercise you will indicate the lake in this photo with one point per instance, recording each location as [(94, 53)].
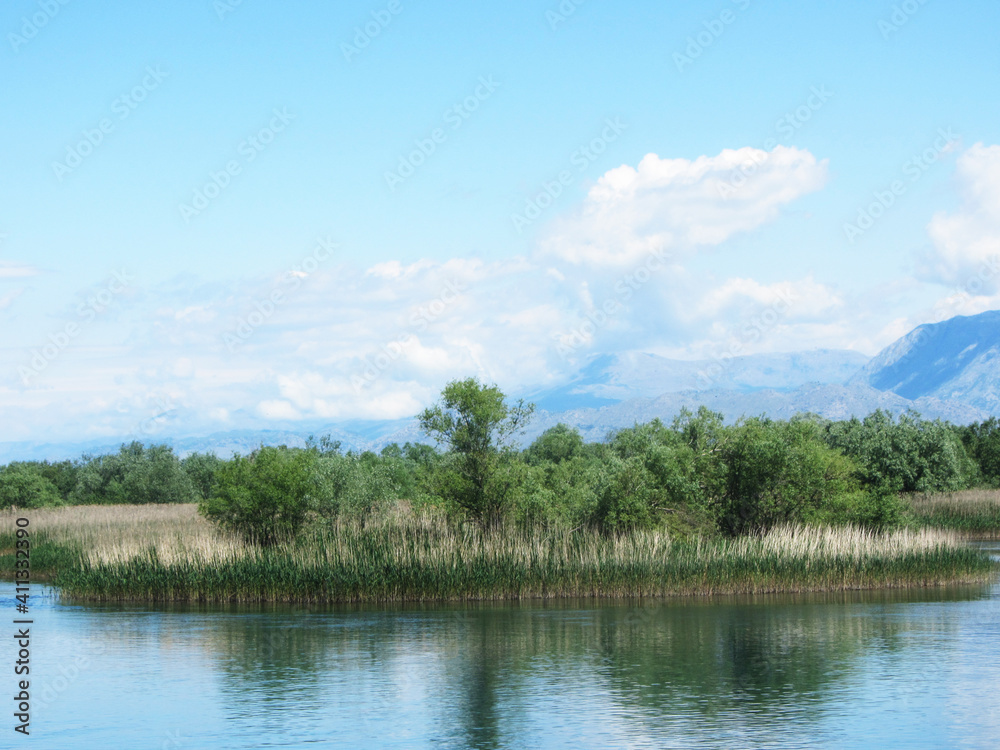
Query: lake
[(886, 669)]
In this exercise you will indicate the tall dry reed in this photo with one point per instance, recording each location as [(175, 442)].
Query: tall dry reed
[(170, 553)]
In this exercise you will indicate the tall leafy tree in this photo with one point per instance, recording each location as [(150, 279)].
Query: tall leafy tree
[(479, 427)]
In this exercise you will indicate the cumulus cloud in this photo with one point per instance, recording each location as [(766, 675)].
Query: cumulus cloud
[(966, 242), (802, 298), (343, 341), (681, 204)]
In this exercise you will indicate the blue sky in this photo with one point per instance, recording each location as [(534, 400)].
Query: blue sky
[(570, 179)]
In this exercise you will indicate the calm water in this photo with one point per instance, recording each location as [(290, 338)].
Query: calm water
[(889, 669)]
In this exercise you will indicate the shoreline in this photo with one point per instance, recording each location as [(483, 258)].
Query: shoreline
[(593, 596), (171, 554), (984, 576)]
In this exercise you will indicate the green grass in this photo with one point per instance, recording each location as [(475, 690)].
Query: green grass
[(973, 512), (168, 553)]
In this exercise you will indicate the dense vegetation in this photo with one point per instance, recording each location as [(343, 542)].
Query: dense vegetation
[(168, 552), (694, 506), (694, 476)]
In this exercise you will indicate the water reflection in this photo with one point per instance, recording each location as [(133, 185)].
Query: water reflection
[(731, 663), (739, 671)]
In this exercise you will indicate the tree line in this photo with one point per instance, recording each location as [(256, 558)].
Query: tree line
[(694, 474)]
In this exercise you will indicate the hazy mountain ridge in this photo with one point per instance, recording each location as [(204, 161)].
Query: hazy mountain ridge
[(607, 379), (957, 359), (948, 371)]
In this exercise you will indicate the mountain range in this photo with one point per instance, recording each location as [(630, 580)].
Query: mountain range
[(955, 360), (948, 370)]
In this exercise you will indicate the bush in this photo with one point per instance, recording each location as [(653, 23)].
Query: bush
[(555, 445), (982, 443), (266, 496), (908, 455), (479, 427), (778, 473), (533, 503), (202, 468), (356, 485), (135, 475), (23, 487), (62, 474), (879, 507), (626, 498)]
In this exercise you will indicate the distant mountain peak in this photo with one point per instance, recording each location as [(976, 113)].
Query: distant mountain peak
[(957, 359)]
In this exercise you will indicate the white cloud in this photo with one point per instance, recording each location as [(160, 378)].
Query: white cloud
[(8, 299), (681, 204), (10, 270), (966, 251), (798, 299), (277, 409), (380, 341)]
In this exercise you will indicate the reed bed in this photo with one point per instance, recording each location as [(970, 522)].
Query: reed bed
[(169, 553), (972, 512)]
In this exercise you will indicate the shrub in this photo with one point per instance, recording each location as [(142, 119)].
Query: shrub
[(982, 442), (776, 473), (23, 487), (265, 496), (355, 485), (135, 474), (626, 498), (555, 445), (62, 474), (202, 467), (908, 455)]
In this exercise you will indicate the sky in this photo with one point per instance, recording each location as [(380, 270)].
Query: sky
[(217, 214)]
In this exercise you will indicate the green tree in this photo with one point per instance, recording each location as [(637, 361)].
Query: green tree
[(63, 474), (479, 427), (266, 496), (23, 487), (201, 467), (656, 477), (627, 498), (906, 455), (555, 445), (982, 442), (137, 475), (778, 472), (360, 484)]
